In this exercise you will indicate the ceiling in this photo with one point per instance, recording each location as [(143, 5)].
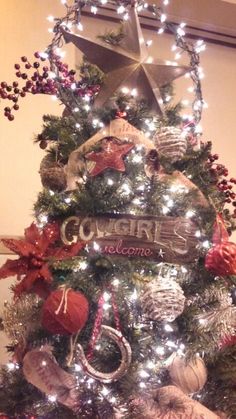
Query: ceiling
[(212, 20)]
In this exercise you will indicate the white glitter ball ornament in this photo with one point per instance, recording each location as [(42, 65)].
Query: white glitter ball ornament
[(162, 299)]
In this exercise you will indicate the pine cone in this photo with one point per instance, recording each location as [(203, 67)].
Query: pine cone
[(52, 174)]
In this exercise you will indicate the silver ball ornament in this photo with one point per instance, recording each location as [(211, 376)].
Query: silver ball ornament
[(162, 299)]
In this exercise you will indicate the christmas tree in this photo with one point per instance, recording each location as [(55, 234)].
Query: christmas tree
[(124, 300)]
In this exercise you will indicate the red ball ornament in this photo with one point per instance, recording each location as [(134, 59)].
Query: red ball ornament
[(221, 258), (65, 312)]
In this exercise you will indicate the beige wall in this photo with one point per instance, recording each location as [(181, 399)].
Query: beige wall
[(23, 30)]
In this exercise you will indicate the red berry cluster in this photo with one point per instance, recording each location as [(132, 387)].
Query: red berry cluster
[(42, 81), (224, 185)]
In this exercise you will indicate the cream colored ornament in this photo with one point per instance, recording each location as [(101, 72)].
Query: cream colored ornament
[(190, 376), (118, 128), (171, 403), (162, 299), (171, 142)]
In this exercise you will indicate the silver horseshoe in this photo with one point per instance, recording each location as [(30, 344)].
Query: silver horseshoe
[(126, 357)]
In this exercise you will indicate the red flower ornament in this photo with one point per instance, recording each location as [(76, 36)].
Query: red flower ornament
[(36, 251)]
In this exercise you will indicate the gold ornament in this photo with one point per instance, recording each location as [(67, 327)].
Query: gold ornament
[(128, 64), (21, 317), (171, 403), (190, 376), (171, 142), (162, 299), (125, 350)]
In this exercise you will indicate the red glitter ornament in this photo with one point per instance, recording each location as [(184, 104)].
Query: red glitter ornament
[(65, 312), (221, 258), (110, 157)]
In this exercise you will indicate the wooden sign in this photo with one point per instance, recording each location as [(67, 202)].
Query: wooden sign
[(166, 239)]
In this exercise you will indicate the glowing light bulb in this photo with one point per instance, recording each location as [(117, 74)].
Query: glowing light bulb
[(134, 295), (96, 246), (110, 182), (189, 213), (165, 210), (160, 350), (94, 9), (163, 18), (105, 391), (115, 282), (120, 10), (150, 365), (50, 18), (144, 374), (52, 398), (206, 244), (83, 265), (168, 328), (11, 366), (106, 296), (180, 31), (137, 158), (80, 26), (125, 90), (134, 92)]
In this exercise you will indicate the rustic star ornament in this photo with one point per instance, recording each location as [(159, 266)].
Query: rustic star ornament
[(128, 65), (161, 253), (111, 156)]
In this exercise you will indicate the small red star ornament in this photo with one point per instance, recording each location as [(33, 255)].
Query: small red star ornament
[(110, 156)]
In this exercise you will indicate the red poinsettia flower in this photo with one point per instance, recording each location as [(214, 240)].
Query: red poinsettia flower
[(36, 251)]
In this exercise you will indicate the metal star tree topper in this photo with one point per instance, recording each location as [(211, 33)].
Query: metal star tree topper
[(128, 65)]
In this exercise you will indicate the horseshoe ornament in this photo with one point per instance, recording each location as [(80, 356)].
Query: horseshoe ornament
[(125, 350)]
